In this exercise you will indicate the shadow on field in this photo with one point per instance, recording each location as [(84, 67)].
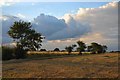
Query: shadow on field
[(41, 57), (45, 57)]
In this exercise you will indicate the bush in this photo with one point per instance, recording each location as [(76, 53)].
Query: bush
[(12, 53), (20, 53), (43, 50), (56, 49), (7, 53)]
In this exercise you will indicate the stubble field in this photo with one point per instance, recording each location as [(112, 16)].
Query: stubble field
[(70, 66)]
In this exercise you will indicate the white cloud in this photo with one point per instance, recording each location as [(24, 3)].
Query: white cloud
[(88, 24), (54, 28), (103, 22), (20, 16), (8, 2)]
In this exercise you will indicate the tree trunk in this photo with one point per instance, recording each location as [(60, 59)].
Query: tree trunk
[(80, 53), (69, 53)]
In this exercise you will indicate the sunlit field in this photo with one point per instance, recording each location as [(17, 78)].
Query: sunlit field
[(64, 66)]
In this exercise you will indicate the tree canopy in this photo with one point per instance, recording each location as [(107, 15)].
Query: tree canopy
[(81, 46), (56, 49), (97, 48), (25, 37), (70, 48)]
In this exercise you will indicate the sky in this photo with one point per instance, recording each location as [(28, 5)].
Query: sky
[(64, 23), (57, 9)]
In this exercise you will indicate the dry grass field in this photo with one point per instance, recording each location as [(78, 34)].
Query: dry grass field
[(69, 66)]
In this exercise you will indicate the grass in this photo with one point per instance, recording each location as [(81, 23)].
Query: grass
[(64, 66)]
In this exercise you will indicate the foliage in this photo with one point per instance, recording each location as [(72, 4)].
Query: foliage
[(97, 48), (12, 53), (81, 46), (104, 47), (43, 50), (20, 53), (7, 53), (25, 37), (89, 48), (56, 49), (69, 48)]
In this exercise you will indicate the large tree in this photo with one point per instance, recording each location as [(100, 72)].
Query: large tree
[(81, 47), (25, 37)]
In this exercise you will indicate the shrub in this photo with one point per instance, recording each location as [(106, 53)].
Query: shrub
[(56, 49), (43, 50), (12, 53), (20, 53), (7, 53)]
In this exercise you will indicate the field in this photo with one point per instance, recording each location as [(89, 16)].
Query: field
[(68, 66)]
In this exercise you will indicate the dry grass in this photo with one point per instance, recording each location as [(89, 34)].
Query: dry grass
[(87, 66)]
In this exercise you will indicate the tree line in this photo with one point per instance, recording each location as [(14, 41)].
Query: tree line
[(93, 48)]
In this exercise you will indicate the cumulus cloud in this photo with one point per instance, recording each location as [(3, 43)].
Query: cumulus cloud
[(7, 21), (103, 22), (54, 28), (47, 24)]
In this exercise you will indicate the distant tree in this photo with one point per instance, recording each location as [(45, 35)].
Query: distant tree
[(89, 48), (56, 49), (81, 47), (70, 48), (97, 48), (104, 47), (74, 45), (43, 50), (25, 37)]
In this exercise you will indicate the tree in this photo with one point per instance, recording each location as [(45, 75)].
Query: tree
[(104, 47), (56, 49), (43, 50), (25, 37), (81, 47), (69, 48), (97, 48), (89, 48)]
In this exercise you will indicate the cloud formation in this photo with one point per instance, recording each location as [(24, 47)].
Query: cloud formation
[(48, 25), (54, 28), (88, 24), (7, 22), (103, 22)]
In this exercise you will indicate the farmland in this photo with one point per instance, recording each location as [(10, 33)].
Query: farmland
[(64, 66)]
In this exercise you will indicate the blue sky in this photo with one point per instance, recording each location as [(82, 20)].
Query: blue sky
[(57, 9)]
